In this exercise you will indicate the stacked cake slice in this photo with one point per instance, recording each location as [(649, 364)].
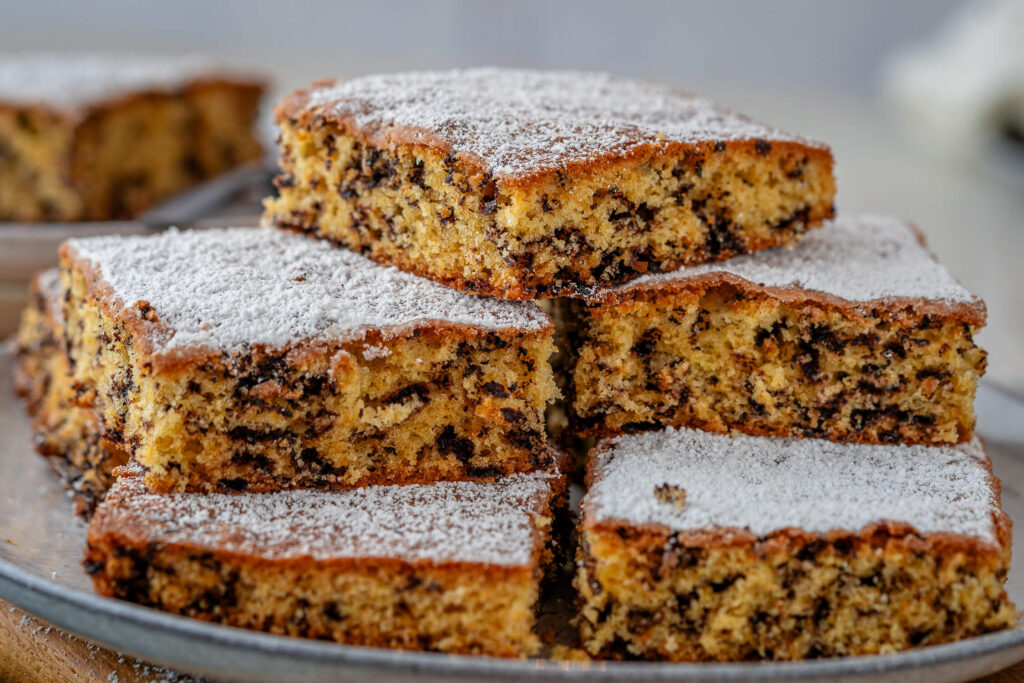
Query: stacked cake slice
[(352, 446), (856, 334), (523, 184), (257, 359)]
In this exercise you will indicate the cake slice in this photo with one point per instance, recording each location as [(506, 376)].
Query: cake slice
[(698, 546), (101, 137), (452, 566), (856, 334), (64, 424), (254, 359), (529, 184), (38, 347)]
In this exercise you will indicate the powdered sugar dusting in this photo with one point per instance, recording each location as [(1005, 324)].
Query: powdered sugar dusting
[(519, 121), (765, 484), (228, 287), (856, 258), (69, 81), (374, 352), (473, 522)]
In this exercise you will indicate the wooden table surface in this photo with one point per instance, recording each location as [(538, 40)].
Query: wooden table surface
[(32, 650)]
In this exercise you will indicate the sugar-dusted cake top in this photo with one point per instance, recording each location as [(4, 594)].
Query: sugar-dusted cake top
[(471, 522), (763, 484), (518, 122), (856, 258), (228, 287), (70, 81)]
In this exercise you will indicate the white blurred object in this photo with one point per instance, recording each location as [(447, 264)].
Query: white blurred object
[(965, 86)]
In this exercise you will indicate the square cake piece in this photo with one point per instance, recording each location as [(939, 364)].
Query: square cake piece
[(254, 358), (101, 137), (64, 423), (856, 334), (451, 566), (698, 546), (530, 184)]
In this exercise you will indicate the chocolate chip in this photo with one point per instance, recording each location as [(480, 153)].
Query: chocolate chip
[(647, 342), (449, 443), (494, 389), (513, 416), (332, 612)]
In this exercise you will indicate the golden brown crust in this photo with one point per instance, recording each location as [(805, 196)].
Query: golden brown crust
[(748, 340), (661, 293), (550, 227), (450, 605), (433, 401), (147, 329), (294, 109), (129, 526), (883, 535), (649, 591)]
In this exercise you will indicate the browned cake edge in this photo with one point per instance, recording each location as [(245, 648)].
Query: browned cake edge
[(295, 110), (68, 435), (663, 294), (520, 281), (882, 539), (143, 322), (973, 313), (126, 561)]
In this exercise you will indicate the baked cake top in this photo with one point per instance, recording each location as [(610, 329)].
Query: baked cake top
[(466, 522), (73, 81), (763, 485), (228, 287), (518, 122), (855, 258)]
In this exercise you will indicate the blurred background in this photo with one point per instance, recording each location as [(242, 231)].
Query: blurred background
[(921, 100)]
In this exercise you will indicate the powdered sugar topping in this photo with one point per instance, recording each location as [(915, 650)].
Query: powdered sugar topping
[(764, 484), (374, 352), (856, 258), (70, 81), (228, 287), (518, 121), (472, 522)]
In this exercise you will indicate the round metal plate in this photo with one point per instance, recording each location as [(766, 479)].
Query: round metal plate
[(41, 547)]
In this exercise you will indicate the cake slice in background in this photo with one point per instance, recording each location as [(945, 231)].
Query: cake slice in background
[(103, 137)]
